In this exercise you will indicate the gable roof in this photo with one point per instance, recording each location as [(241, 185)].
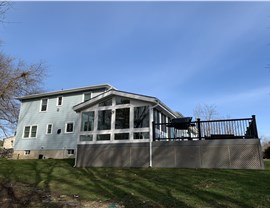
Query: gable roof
[(68, 91), (113, 92)]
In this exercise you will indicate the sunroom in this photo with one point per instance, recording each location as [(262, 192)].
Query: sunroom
[(120, 117)]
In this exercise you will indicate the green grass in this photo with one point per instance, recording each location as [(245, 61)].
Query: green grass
[(145, 187)]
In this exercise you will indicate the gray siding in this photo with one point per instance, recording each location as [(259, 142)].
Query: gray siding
[(57, 115), (233, 154)]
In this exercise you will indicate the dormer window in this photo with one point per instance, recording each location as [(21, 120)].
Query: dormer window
[(44, 105)]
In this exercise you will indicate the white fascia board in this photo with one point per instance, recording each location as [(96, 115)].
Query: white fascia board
[(61, 92), (111, 93)]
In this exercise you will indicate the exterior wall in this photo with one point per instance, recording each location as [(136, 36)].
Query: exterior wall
[(58, 116), (232, 154), (113, 155), (9, 142), (46, 154)]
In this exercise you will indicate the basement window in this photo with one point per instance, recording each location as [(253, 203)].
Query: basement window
[(70, 151), (27, 152)]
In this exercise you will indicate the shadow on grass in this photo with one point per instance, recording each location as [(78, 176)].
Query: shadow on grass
[(26, 182)]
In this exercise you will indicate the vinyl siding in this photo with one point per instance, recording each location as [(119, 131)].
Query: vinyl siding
[(57, 115)]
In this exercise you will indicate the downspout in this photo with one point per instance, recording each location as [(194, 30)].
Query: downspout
[(151, 138)]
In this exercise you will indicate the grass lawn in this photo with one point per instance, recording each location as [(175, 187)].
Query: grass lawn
[(135, 187)]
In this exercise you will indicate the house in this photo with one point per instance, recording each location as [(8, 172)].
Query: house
[(47, 125), (104, 127), (8, 142)]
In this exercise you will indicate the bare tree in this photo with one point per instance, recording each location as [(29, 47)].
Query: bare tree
[(205, 112), (17, 79)]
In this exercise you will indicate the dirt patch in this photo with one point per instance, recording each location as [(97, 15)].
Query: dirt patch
[(16, 195)]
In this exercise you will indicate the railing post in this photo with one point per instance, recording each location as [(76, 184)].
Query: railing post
[(254, 126), (199, 128), (154, 130)]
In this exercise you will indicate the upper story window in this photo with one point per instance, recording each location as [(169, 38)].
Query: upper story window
[(30, 131), (69, 127), (87, 96), (44, 105), (105, 103), (141, 117), (59, 101), (121, 100), (49, 129)]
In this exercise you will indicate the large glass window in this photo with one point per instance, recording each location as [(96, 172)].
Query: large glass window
[(88, 121), (44, 103), (121, 136), (122, 118), (105, 103), (141, 117), (122, 100), (103, 137), (104, 119)]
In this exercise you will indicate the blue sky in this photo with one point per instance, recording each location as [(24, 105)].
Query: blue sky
[(184, 53)]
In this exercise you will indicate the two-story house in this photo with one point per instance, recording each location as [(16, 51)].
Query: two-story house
[(47, 125), (52, 124)]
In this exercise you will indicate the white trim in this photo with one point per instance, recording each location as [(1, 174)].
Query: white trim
[(30, 132), (40, 105), (57, 100), (47, 128), (72, 128)]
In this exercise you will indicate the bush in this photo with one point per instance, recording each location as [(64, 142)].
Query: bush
[(266, 153)]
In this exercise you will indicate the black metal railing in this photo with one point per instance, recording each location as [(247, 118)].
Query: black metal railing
[(243, 128)]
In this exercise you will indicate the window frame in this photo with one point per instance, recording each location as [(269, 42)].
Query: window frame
[(47, 127), (72, 151), (47, 105), (27, 152), (85, 94), (57, 101), (30, 132), (66, 125)]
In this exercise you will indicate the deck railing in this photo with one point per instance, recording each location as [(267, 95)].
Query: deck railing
[(243, 128)]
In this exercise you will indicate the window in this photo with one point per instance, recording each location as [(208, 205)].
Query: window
[(87, 96), (163, 120), (141, 135), (121, 136), (105, 103), (70, 151), (156, 118), (85, 138), (141, 117), (49, 129), (34, 131), (88, 121), (30, 131), (59, 101), (26, 131), (104, 119), (69, 127), (122, 100), (44, 103), (27, 152), (122, 118), (103, 137)]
